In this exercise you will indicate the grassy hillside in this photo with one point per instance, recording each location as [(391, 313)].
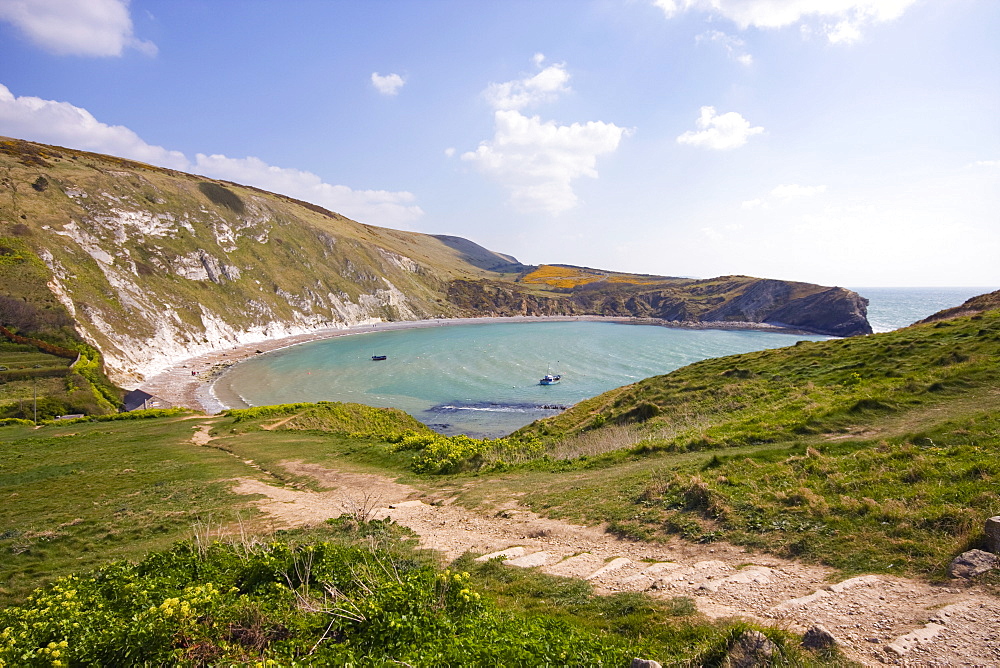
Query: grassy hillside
[(869, 454), (876, 454), (828, 388), (117, 494)]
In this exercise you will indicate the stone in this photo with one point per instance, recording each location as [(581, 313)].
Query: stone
[(905, 643), (509, 553), (972, 563), (818, 637), (750, 650), (992, 530), (530, 560), (645, 663)]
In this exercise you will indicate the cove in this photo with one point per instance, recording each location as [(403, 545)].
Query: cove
[(480, 379)]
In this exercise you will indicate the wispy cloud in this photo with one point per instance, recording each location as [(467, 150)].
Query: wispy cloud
[(76, 27), (720, 132), (544, 86), (393, 209), (64, 124), (784, 193), (388, 84), (734, 46), (841, 21)]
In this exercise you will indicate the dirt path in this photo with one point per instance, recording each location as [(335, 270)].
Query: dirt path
[(878, 619)]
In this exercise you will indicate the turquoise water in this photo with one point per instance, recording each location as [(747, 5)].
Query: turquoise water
[(892, 308), (479, 379), (482, 379)]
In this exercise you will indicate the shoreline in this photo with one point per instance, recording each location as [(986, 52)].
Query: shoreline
[(189, 382)]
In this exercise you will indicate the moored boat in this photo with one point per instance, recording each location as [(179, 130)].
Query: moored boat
[(550, 379)]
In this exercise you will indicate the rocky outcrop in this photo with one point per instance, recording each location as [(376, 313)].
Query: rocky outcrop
[(837, 311), (813, 308), (972, 563)]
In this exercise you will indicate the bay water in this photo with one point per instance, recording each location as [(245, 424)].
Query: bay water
[(482, 379)]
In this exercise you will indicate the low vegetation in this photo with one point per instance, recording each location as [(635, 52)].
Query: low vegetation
[(870, 455), (814, 388), (346, 595)]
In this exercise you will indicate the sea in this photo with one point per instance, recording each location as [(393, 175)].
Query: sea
[(483, 379)]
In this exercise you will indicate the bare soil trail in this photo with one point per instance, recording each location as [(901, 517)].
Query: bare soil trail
[(877, 619)]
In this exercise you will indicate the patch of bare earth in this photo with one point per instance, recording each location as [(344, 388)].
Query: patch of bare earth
[(877, 619)]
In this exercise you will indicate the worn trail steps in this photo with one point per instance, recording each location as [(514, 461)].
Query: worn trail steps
[(877, 619)]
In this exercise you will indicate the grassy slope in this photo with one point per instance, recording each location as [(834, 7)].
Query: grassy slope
[(89, 493), (826, 387), (303, 247), (870, 454)]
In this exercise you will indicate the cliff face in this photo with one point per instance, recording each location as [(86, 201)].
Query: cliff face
[(152, 266), (836, 311)]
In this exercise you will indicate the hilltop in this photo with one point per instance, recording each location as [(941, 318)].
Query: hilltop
[(149, 266)]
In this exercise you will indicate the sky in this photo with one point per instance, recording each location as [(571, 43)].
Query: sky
[(840, 142)]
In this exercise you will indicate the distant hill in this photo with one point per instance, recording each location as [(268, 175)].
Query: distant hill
[(151, 265)]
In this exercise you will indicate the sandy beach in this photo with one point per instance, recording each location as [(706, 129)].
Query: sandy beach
[(189, 382)]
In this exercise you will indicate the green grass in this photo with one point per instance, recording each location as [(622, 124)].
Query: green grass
[(895, 474), (827, 387), (75, 496)]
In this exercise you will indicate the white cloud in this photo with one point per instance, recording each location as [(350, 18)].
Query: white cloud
[(76, 27), (840, 20), (388, 84), (64, 124), (537, 161), (783, 193), (545, 86), (384, 207), (986, 163), (732, 45), (719, 132)]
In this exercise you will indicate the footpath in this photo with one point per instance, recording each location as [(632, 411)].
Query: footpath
[(877, 620)]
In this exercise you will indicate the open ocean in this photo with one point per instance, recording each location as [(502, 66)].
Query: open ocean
[(482, 379), (892, 308)]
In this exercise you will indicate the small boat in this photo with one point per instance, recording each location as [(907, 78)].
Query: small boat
[(379, 358), (549, 379)]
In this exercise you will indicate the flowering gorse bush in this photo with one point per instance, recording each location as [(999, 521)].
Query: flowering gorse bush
[(278, 603), (452, 454)]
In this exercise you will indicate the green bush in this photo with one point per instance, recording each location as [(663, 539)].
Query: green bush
[(320, 603), (436, 453)]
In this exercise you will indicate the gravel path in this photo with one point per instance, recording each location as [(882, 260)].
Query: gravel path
[(877, 619)]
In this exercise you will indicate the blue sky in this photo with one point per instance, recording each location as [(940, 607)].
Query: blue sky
[(843, 142)]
